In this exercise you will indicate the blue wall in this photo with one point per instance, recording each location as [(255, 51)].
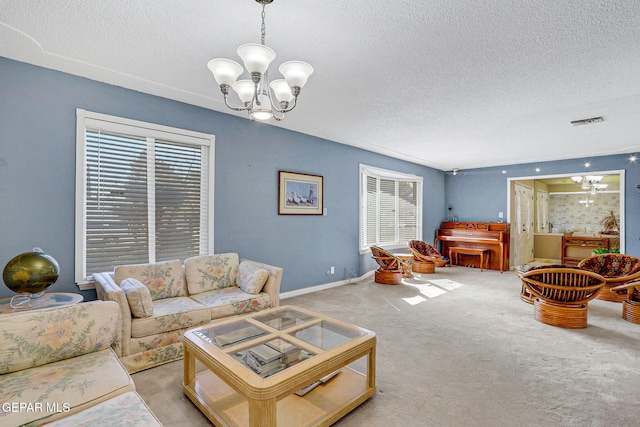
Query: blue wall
[(37, 178), (479, 194)]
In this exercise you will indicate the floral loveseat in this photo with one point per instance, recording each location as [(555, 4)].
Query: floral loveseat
[(158, 302), (57, 365)]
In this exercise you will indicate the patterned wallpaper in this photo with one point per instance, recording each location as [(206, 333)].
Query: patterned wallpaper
[(567, 213)]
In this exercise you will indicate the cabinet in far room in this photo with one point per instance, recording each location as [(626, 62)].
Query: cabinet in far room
[(577, 248)]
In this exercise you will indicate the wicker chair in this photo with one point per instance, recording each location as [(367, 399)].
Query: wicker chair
[(425, 253), (616, 269), (391, 269), (631, 303), (525, 295), (561, 295)]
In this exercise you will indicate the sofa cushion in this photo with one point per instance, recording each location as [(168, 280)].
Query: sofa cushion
[(155, 341), (209, 272), (164, 279), (68, 386), (233, 300), (38, 337), (138, 297), (127, 409), (251, 278), (170, 314)]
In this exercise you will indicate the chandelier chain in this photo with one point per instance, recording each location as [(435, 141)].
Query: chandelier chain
[(263, 28)]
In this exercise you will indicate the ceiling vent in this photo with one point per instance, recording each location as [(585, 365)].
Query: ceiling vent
[(587, 121)]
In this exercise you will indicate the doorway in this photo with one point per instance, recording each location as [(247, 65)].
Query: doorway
[(556, 205), (522, 226)]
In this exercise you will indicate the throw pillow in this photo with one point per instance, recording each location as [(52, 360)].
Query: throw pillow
[(138, 297), (163, 279), (210, 272), (251, 278)]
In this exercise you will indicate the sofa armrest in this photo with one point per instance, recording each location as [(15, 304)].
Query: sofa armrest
[(272, 287), (38, 337), (108, 290)]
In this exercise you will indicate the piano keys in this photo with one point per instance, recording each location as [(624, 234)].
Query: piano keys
[(492, 236)]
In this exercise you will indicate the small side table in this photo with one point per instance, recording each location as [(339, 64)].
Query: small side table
[(49, 299)]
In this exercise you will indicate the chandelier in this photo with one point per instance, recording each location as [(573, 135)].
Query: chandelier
[(255, 93), (589, 183)]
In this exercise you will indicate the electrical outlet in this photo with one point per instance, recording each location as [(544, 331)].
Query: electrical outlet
[(333, 270)]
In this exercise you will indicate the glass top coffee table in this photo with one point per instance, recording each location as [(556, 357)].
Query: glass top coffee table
[(285, 366), (47, 300)]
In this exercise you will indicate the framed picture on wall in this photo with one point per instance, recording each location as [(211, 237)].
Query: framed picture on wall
[(300, 194)]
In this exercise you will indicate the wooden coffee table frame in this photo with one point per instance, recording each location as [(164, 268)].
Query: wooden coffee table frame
[(231, 394)]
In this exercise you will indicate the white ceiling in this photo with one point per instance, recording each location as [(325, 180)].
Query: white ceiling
[(443, 83)]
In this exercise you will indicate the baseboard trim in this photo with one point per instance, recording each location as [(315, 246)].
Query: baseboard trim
[(311, 289)]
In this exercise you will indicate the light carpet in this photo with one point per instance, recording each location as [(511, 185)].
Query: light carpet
[(459, 348)]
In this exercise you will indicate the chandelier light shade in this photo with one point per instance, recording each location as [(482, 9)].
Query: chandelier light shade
[(256, 57), (225, 71), (281, 90), (296, 73), (256, 93), (589, 183)]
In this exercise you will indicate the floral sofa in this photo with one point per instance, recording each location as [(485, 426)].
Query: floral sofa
[(159, 301), (57, 366)]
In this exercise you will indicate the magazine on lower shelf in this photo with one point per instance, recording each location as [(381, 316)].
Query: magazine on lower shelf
[(323, 380)]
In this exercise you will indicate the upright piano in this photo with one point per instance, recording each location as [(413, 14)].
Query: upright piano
[(492, 236)]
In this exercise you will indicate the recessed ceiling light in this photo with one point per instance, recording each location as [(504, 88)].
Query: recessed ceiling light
[(504, 172), (633, 158), (537, 169), (587, 165)]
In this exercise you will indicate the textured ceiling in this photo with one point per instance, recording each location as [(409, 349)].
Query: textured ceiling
[(443, 83)]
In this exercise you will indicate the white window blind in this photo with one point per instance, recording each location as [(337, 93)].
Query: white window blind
[(390, 207), (145, 194)]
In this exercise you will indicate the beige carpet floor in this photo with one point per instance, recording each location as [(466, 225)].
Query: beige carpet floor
[(459, 348)]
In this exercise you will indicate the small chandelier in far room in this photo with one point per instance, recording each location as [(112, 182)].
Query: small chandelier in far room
[(255, 93), (590, 183)]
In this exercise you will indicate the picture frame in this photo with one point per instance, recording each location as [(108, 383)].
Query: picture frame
[(300, 194)]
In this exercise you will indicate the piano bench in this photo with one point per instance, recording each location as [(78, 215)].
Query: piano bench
[(483, 253)]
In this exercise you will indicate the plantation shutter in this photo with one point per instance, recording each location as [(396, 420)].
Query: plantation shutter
[(369, 231), (407, 210), (387, 211), (390, 207)]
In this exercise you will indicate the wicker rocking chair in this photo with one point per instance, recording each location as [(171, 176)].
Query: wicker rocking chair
[(616, 269), (391, 269), (424, 252), (631, 303), (561, 295)]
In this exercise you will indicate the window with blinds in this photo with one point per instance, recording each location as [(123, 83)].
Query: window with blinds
[(145, 194), (390, 207)]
